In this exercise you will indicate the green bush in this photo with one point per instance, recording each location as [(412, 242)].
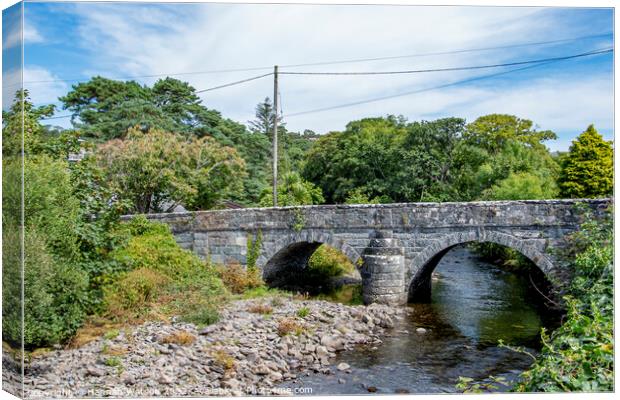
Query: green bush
[(131, 295), (161, 277), (238, 279), (327, 263), (48, 201), (579, 356), (204, 316), (54, 293), (152, 246)]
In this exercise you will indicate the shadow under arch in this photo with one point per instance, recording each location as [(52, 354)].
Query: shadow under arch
[(422, 266), (290, 255)]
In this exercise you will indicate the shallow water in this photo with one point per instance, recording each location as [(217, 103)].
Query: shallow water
[(474, 304)]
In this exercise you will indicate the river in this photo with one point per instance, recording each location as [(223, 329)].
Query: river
[(474, 304)]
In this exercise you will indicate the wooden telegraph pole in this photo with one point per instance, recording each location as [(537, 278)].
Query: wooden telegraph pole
[(275, 136)]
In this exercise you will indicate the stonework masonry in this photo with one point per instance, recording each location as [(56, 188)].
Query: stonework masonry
[(395, 246)]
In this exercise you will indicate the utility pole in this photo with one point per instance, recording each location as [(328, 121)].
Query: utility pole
[(275, 136)]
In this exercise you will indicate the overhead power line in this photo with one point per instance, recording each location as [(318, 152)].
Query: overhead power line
[(457, 83), (234, 83), (447, 52), (358, 60), (535, 62), (417, 71), (214, 71), (602, 51)]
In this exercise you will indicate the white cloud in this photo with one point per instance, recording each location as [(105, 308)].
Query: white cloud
[(44, 89), (14, 36), (128, 40), (11, 83)]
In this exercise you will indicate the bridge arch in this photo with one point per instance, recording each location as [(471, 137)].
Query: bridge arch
[(293, 251), (426, 261)]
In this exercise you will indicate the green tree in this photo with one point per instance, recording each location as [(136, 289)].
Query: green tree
[(23, 118), (157, 170), (492, 132), (587, 169), (293, 190), (365, 155), (522, 186), (493, 148), (263, 123)]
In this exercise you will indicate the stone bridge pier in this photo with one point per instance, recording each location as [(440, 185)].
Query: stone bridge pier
[(395, 246)]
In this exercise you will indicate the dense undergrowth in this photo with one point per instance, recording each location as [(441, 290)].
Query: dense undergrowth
[(162, 279), (579, 355)]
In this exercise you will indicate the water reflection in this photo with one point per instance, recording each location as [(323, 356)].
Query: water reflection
[(474, 304)]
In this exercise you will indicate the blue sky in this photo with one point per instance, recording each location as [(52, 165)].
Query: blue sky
[(79, 40)]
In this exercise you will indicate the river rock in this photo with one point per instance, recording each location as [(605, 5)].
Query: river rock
[(343, 366), (241, 351), (94, 371), (321, 351), (420, 331)]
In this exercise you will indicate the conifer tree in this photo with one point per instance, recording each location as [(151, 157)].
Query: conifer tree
[(587, 169)]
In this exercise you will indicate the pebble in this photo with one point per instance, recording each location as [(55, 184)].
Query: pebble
[(420, 330), (343, 366)]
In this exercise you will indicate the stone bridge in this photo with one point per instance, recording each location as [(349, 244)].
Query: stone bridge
[(395, 246)]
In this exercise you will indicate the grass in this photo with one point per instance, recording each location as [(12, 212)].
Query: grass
[(111, 334), (113, 350), (182, 338), (303, 312), (287, 326), (261, 291), (223, 359), (260, 308), (94, 329), (113, 362), (203, 317)]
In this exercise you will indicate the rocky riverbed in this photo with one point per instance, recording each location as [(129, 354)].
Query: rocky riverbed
[(257, 345)]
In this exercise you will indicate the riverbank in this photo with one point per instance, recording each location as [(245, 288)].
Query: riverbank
[(257, 345)]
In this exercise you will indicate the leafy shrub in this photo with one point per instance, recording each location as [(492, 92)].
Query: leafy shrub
[(253, 249), (113, 362), (238, 279), (152, 246), (203, 316), (325, 264), (132, 294), (111, 334), (579, 356), (163, 278), (54, 293)]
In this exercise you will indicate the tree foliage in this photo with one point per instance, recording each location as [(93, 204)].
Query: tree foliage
[(22, 119), (587, 169), (492, 132), (293, 190), (391, 160), (157, 171)]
